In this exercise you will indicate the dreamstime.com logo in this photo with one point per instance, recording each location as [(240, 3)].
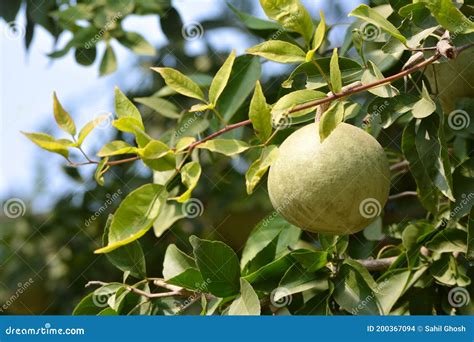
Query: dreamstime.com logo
[(375, 114), (458, 297), (14, 30), (192, 31), (22, 287), (369, 298), (46, 330), (109, 25), (200, 288), (283, 123), (100, 297), (370, 208), (458, 120), (108, 202), (280, 297), (187, 124), (192, 208), (369, 31), (14, 208), (466, 199)]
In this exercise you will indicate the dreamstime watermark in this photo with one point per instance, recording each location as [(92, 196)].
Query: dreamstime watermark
[(279, 32), (460, 29), (192, 208), (375, 114), (14, 30), (200, 288), (465, 201), (46, 330), (192, 31), (14, 208), (187, 124), (369, 31), (458, 119), (458, 297), (109, 25), (267, 220), (369, 298), (21, 288), (103, 119), (370, 208), (280, 297), (108, 202), (284, 122), (101, 296)]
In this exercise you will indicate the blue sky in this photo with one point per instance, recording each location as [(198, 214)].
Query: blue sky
[(28, 80)]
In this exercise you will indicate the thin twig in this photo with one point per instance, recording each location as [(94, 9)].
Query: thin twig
[(402, 194), (400, 166)]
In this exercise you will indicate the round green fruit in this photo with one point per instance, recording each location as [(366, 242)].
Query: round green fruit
[(452, 79), (336, 187)]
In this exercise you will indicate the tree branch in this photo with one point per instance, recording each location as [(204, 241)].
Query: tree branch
[(373, 265), (307, 105), (403, 194)]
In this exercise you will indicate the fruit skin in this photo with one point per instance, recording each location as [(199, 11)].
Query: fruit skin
[(329, 187), (454, 78)]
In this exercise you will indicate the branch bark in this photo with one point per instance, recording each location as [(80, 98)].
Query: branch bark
[(374, 265)]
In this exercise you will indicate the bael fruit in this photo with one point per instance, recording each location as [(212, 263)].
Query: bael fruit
[(336, 187), (453, 80)]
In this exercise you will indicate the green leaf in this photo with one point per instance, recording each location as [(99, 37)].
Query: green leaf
[(129, 258), (463, 182), (190, 174), (109, 62), (88, 127), (470, 236), (372, 74), (449, 240), (135, 216), (184, 143), (136, 43), (48, 143), (286, 103), (180, 269), (448, 16), (180, 83), (426, 195), (260, 166), (350, 72), (124, 108), (63, 119), (220, 79), (318, 37), (228, 147), (155, 149), (255, 24), (100, 170), (335, 75), (278, 51), (353, 293), (425, 106), (298, 279), (391, 287), (87, 306), (115, 148), (259, 114), (370, 15), (170, 213), (247, 303), (265, 234), (245, 72), (291, 14), (332, 117), (267, 277), (312, 261), (161, 106), (432, 151), (219, 264)]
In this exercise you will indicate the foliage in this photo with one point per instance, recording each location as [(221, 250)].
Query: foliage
[(282, 270)]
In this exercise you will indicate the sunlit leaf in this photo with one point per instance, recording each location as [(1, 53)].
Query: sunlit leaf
[(332, 117), (63, 119), (278, 51), (180, 83), (259, 114), (135, 216), (220, 79), (48, 143), (229, 147), (260, 166)]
